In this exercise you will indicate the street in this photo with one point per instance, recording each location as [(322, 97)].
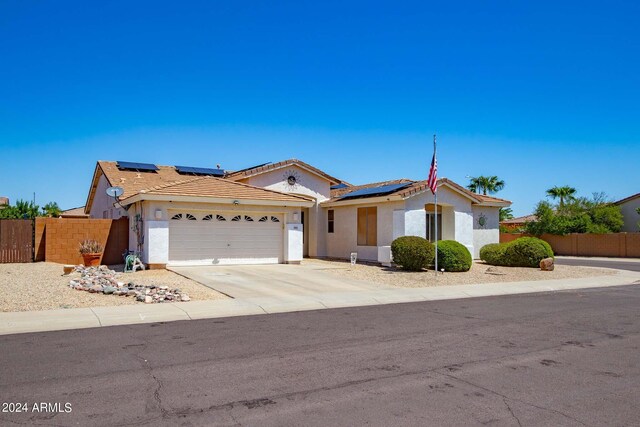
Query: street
[(562, 359), (617, 263)]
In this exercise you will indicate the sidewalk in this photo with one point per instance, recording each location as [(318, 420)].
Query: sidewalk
[(53, 320)]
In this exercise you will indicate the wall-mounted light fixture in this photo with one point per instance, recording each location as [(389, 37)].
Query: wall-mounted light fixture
[(235, 202), (158, 214), (295, 216)]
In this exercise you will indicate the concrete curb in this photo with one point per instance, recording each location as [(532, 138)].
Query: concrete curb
[(78, 318)]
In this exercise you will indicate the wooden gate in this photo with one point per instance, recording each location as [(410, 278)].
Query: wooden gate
[(16, 240)]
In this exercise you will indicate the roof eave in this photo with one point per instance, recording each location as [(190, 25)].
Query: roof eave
[(220, 200), (270, 168), (98, 171), (362, 201)]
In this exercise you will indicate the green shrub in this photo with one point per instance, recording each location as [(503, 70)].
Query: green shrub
[(493, 253), (453, 256), (526, 252), (412, 253)]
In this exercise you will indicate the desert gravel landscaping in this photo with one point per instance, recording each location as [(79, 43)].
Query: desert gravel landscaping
[(41, 286), (478, 274)]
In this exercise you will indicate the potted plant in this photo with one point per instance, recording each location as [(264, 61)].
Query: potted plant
[(91, 252)]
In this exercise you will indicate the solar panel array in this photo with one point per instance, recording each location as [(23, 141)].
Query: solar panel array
[(189, 170), (339, 186), (140, 167), (376, 191)]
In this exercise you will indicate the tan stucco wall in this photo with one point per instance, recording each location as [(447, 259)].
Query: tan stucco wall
[(308, 184), (103, 203)]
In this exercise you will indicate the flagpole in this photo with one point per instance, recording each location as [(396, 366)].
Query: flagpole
[(435, 194)]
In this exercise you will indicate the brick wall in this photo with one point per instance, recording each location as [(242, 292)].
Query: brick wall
[(62, 237)]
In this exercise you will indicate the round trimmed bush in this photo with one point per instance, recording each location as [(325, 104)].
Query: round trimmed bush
[(527, 252), (493, 253), (453, 256), (412, 253)]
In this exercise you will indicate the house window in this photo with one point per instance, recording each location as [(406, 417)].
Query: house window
[(431, 226), (368, 226), (330, 216)]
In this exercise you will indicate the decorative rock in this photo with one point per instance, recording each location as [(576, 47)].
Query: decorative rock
[(95, 288), (148, 299), (185, 298), (109, 290), (547, 264), (495, 271)]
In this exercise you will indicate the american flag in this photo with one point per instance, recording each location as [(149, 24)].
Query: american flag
[(433, 175)]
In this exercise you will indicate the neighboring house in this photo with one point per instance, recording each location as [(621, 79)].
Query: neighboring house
[(4, 201), (280, 212), (628, 207), (516, 224), (74, 213)]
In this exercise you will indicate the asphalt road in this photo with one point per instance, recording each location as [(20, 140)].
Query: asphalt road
[(560, 359), (620, 265)]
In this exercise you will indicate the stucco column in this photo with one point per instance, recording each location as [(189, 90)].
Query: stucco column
[(156, 246)]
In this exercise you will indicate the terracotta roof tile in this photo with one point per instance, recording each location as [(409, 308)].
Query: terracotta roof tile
[(246, 173), (417, 187), (207, 186)]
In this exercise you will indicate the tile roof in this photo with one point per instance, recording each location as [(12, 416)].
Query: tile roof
[(208, 186), (417, 187), (75, 212), (246, 173), (520, 219), (133, 183)]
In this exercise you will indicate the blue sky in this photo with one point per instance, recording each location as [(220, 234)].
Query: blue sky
[(538, 93)]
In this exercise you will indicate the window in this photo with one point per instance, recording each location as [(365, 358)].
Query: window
[(274, 219), (248, 218), (236, 218), (330, 214), (263, 219), (431, 226), (208, 218), (368, 226), (191, 217), (220, 218), (177, 216)]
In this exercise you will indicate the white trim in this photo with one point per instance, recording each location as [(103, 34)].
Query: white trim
[(205, 199)]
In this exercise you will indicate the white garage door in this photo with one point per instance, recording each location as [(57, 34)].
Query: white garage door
[(238, 238)]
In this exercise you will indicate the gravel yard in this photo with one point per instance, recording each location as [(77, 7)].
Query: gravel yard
[(405, 279), (41, 286)]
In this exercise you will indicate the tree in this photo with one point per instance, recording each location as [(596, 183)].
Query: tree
[(485, 184), (21, 210), (563, 193), (51, 209), (505, 213), (578, 215)]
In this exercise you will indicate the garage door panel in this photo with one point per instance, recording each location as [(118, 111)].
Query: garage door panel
[(225, 242)]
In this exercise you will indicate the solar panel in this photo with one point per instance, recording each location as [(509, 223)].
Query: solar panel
[(189, 170), (140, 167), (376, 191), (339, 186)]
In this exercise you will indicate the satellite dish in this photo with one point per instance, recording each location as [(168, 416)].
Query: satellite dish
[(115, 192)]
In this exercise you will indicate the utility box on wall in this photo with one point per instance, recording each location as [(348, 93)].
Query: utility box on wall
[(293, 243)]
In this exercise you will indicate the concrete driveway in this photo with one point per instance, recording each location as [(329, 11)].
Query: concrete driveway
[(273, 281)]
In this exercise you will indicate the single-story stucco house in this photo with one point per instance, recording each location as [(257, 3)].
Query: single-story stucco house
[(629, 207), (279, 213)]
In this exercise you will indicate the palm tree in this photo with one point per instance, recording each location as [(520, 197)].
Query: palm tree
[(563, 193), (51, 209), (485, 184), (505, 214)]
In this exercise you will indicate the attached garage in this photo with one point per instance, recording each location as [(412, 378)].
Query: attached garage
[(225, 238)]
